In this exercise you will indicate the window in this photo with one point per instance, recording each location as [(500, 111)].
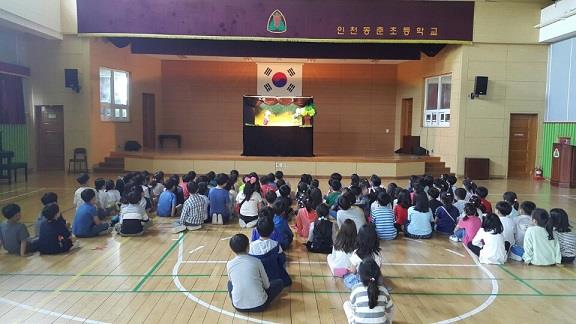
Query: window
[(437, 101), (114, 93)]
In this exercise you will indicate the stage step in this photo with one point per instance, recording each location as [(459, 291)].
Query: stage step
[(111, 164), (435, 167)]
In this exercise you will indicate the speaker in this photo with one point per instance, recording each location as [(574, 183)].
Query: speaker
[(71, 79), (480, 85)]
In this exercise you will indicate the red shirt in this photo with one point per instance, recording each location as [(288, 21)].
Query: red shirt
[(400, 214), (487, 205)]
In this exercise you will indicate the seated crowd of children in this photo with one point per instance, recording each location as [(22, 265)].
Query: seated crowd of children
[(346, 224)]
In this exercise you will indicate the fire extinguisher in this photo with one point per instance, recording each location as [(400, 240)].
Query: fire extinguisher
[(538, 174)]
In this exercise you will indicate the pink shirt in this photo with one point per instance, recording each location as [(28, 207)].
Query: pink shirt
[(184, 186), (303, 221), (471, 225)]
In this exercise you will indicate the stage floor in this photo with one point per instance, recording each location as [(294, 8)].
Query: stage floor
[(392, 165)]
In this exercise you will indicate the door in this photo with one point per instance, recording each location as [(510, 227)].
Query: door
[(406, 123), (49, 122), (522, 144), (149, 120)]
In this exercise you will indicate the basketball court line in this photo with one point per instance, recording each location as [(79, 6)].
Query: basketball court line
[(18, 197)]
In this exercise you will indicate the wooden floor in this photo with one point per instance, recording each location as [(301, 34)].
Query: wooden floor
[(166, 278)]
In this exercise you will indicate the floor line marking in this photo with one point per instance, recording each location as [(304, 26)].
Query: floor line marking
[(22, 195), (324, 262), (200, 302), (520, 279), (196, 249), (486, 303), (225, 238), (48, 312), (417, 241), (454, 252)]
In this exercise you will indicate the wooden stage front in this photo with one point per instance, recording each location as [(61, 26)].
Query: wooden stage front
[(390, 166)]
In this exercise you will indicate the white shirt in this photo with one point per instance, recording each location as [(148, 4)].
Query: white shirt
[(493, 251), (262, 246), (522, 224), (249, 207), (509, 229), (102, 199), (460, 205), (78, 196), (113, 197), (339, 259), (355, 260)]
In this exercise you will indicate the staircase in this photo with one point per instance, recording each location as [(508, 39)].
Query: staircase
[(435, 167), (111, 164)]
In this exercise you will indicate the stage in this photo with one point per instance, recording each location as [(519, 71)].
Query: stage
[(390, 166)]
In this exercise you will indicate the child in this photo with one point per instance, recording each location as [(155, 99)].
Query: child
[(270, 198), (503, 209), (82, 180), (184, 186), (383, 217), (14, 235), (419, 223), (281, 224), (369, 302), (511, 198), (101, 197), (488, 243), (344, 245), (367, 247), (375, 183), (482, 192), (219, 200), (334, 194), (522, 223), (133, 218), (460, 202), (470, 188), (167, 200), (322, 232), (47, 199), (54, 236), (446, 215), (301, 194), (267, 184), (540, 245), (194, 212), (248, 285), (566, 237), (86, 221), (249, 203), (112, 198), (305, 217), (270, 252), (401, 209), (158, 184), (348, 211), (468, 226), (279, 175), (434, 203)]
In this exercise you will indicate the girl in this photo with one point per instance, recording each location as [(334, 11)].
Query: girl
[(249, 203), (354, 180), (339, 260), (322, 232), (540, 245), (470, 188), (401, 209), (306, 216), (566, 237), (511, 198), (301, 193), (468, 226), (112, 198), (446, 215), (503, 210), (369, 300), (488, 243), (383, 217), (367, 247), (133, 218), (348, 211), (419, 223)]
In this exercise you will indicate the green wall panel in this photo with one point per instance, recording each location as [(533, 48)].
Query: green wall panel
[(15, 138), (551, 133)]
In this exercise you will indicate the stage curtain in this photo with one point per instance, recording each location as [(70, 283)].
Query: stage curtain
[(12, 109)]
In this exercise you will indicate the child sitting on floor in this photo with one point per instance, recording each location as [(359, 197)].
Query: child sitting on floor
[(482, 192), (14, 235), (566, 237), (541, 247), (47, 199), (219, 200), (467, 226), (419, 223), (270, 252), (167, 200), (113, 198), (322, 232), (348, 211), (305, 217), (249, 287), (433, 201), (488, 244), (249, 203), (511, 198), (367, 247), (460, 195), (523, 221), (503, 210), (54, 235), (344, 245), (86, 221), (446, 215), (133, 218), (194, 212), (400, 210), (101, 197), (383, 217), (281, 224), (82, 180)]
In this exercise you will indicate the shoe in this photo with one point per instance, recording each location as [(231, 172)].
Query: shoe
[(454, 238), (178, 229), (214, 219), (515, 257), (193, 228), (220, 219)]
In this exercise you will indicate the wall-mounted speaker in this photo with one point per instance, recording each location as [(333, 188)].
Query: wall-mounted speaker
[(480, 87), (71, 79)]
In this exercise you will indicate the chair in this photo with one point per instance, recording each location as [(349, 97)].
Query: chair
[(19, 165), (79, 161)]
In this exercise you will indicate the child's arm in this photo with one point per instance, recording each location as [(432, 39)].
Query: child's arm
[(528, 248), (96, 220), (263, 276), (23, 246)]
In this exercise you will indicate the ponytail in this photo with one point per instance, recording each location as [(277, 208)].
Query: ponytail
[(373, 293), (550, 228), (511, 198), (369, 272)]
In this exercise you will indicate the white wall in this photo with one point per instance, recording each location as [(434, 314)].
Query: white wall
[(40, 17)]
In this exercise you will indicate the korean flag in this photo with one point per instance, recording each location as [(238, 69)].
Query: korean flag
[(280, 79)]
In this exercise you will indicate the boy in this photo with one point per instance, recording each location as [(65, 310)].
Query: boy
[(194, 212), (47, 199), (332, 197), (503, 209), (248, 283), (270, 252), (14, 235), (167, 200), (219, 200), (133, 217), (281, 224), (460, 194), (82, 180), (86, 222), (434, 203), (270, 198), (264, 243), (54, 236), (523, 221), (482, 192)]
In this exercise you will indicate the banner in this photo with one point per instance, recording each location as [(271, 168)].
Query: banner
[(279, 79)]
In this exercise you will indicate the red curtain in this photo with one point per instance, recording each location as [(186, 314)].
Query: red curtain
[(12, 109)]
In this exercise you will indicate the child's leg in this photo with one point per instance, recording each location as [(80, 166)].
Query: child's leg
[(32, 245), (101, 229), (350, 280), (474, 248), (516, 253), (275, 289), (348, 310), (568, 260)]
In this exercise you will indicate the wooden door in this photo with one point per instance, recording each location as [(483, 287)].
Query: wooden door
[(522, 144), (406, 122), (149, 120), (49, 121)]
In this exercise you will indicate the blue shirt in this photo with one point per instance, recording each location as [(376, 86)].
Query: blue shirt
[(84, 219), (166, 201), (419, 223), (446, 219), (285, 235), (383, 218), (219, 201)]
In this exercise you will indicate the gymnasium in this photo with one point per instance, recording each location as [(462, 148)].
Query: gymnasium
[(410, 92)]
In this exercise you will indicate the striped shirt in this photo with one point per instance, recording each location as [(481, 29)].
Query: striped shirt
[(383, 218), (363, 313), (195, 210), (567, 242)]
